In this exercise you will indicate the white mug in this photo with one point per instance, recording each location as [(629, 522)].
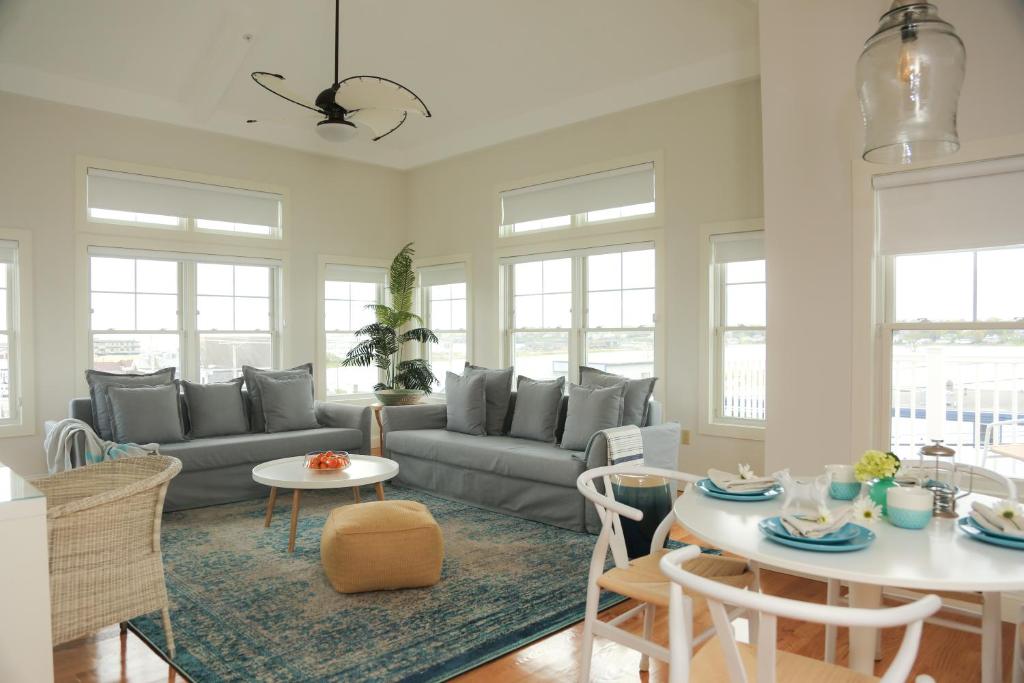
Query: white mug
[(841, 474)]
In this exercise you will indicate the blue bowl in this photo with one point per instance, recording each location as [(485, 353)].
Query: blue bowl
[(909, 519), (844, 490)]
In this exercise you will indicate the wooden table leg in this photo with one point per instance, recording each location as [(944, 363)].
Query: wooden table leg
[(296, 499), (380, 491), (356, 495), (862, 639), (270, 506), (380, 428)]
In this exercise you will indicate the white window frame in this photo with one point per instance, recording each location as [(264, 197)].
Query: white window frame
[(579, 225), (323, 261), (578, 327), (21, 361), (424, 306), (711, 308), (186, 229)]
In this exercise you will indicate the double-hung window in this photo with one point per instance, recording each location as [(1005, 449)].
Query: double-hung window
[(738, 329), (591, 307), (151, 201), (205, 315), (951, 248), (612, 195), (349, 291), (11, 346), (444, 303)]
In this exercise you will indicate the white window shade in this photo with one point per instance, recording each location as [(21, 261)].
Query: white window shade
[(738, 246), (964, 206), (450, 273), (136, 193), (604, 190), (8, 251), (342, 273), (570, 253)]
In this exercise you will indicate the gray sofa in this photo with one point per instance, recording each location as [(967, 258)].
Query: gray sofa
[(519, 477), (219, 469)]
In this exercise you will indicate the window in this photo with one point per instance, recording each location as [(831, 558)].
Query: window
[(165, 203), (11, 394), (618, 194), (608, 321), (445, 305), (348, 291), (738, 329), (207, 318)]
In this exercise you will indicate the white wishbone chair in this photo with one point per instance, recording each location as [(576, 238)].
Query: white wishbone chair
[(641, 578), (723, 659), (990, 603)]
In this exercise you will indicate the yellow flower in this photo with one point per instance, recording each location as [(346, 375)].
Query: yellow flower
[(876, 465)]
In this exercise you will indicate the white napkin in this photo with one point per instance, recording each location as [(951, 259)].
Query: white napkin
[(805, 526), (988, 519), (729, 481)]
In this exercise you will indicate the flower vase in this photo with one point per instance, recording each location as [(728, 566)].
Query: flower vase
[(878, 492)]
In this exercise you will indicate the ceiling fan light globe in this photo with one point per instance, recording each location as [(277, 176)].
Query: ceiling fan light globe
[(334, 130)]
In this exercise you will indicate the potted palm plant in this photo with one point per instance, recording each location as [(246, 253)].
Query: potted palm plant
[(406, 380)]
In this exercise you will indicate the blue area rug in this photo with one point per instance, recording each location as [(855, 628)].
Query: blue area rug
[(244, 609)]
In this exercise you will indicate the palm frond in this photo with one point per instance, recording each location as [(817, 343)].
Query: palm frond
[(415, 374), (384, 314), (360, 355), (402, 279), (420, 334)]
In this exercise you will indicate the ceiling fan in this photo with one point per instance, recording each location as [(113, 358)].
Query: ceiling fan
[(374, 103)]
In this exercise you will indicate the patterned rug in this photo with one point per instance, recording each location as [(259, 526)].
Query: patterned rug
[(244, 609)]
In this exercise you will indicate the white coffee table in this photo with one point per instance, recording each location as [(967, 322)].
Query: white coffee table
[(289, 473)]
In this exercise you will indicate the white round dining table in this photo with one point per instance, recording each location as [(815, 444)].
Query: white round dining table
[(939, 557)]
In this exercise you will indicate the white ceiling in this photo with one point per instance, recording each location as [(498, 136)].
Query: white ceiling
[(490, 71)]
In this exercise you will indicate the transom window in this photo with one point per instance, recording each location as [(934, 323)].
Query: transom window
[(349, 291), (205, 318), (608, 321)]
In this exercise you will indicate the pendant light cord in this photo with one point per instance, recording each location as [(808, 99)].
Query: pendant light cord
[(337, 31)]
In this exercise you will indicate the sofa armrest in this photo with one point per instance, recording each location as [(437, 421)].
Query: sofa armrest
[(655, 413), (661, 447), (345, 416), (422, 416)]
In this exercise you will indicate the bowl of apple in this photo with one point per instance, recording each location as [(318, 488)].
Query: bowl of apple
[(327, 461)]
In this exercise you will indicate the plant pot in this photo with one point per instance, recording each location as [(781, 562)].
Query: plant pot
[(879, 490), (399, 397)]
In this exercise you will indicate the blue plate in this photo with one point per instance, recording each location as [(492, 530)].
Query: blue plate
[(971, 528), (713, 491), (718, 489), (774, 526), (862, 540)]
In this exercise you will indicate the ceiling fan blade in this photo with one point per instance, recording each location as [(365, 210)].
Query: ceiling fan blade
[(275, 84), (380, 122), (375, 92)]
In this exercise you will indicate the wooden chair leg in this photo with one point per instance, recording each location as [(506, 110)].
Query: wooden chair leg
[(124, 627), (590, 616), (167, 630), (645, 660)]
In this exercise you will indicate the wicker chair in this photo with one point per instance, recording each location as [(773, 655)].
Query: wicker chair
[(104, 531)]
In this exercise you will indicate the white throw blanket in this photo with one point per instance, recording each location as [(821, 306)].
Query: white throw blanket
[(59, 443), (625, 445), (729, 481), (808, 527), (987, 518)]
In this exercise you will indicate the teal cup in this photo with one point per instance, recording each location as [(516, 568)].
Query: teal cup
[(909, 507), (844, 484)]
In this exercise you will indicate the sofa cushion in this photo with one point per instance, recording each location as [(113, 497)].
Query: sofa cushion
[(145, 414), (216, 409), (536, 411), (505, 455), (98, 383), (256, 420), (591, 409), (287, 403), (225, 451), (466, 404), (499, 393), (638, 392)]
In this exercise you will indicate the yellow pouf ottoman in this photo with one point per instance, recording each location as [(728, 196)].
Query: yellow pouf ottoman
[(381, 545)]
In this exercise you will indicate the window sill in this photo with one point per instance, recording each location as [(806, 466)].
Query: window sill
[(13, 430), (750, 432)]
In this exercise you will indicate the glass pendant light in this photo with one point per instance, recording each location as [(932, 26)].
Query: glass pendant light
[(908, 80)]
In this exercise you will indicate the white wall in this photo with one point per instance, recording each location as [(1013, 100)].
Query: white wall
[(819, 363), (337, 207), (710, 142)]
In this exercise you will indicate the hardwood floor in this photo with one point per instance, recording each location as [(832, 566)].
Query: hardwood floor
[(945, 654)]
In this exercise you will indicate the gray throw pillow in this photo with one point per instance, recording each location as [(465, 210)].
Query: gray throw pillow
[(466, 399), (287, 402), (638, 392), (98, 383), (591, 409), (145, 414), (536, 413), (256, 421), (215, 409), (499, 392)]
